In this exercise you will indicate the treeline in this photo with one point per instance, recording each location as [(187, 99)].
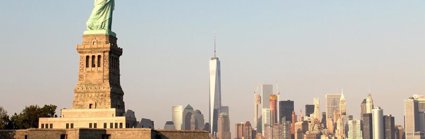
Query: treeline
[(28, 118)]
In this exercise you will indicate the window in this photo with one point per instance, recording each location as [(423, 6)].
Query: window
[(42, 125), (116, 125), (90, 125), (116, 63), (105, 125), (51, 125), (95, 125), (90, 106), (87, 61), (99, 59), (111, 125), (72, 125), (112, 62), (106, 136), (67, 125), (93, 62), (63, 136), (120, 125)]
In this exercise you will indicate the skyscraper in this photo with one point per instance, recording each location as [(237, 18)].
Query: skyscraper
[(265, 90), (266, 119), (224, 109), (187, 116), (332, 104), (257, 112), (389, 127), (300, 128), (309, 109), (177, 116), (244, 130), (342, 105), (285, 110), (316, 112), (411, 119), (239, 130), (399, 132), (367, 126), (169, 125), (293, 121), (421, 110), (363, 108), (354, 130), (377, 123), (223, 126), (369, 104), (273, 109), (215, 91), (197, 122), (421, 102), (248, 134)]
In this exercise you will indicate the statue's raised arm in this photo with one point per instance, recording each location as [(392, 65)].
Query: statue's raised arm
[(100, 20)]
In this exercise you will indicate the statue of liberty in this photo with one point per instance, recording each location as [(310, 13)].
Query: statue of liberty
[(100, 20)]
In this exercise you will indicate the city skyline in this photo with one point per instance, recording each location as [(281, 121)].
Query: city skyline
[(138, 88)]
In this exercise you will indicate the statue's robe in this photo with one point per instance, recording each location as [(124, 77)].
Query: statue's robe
[(101, 16)]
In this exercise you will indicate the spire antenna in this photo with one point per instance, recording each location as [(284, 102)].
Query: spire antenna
[(215, 45)]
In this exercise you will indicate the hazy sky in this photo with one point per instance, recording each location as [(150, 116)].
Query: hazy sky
[(309, 48)]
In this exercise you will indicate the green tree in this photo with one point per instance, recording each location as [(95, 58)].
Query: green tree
[(4, 119), (28, 118)]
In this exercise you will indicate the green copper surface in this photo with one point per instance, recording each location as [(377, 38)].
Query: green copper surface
[(100, 20)]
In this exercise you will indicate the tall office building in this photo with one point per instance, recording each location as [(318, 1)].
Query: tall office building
[(239, 130), (323, 120), (266, 90), (421, 110), (309, 110), (421, 102), (223, 127), (399, 132), (273, 109), (332, 104), (266, 119), (215, 91), (342, 105), (177, 116), (389, 127), (300, 128), (411, 119), (257, 112), (244, 130), (293, 121), (367, 126), (354, 129), (169, 125), (285, 110), (377, 123), (187, 116), (224, 109), (369, 104), (363, 108), (316, 111), (247, 131), (197, 122)]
